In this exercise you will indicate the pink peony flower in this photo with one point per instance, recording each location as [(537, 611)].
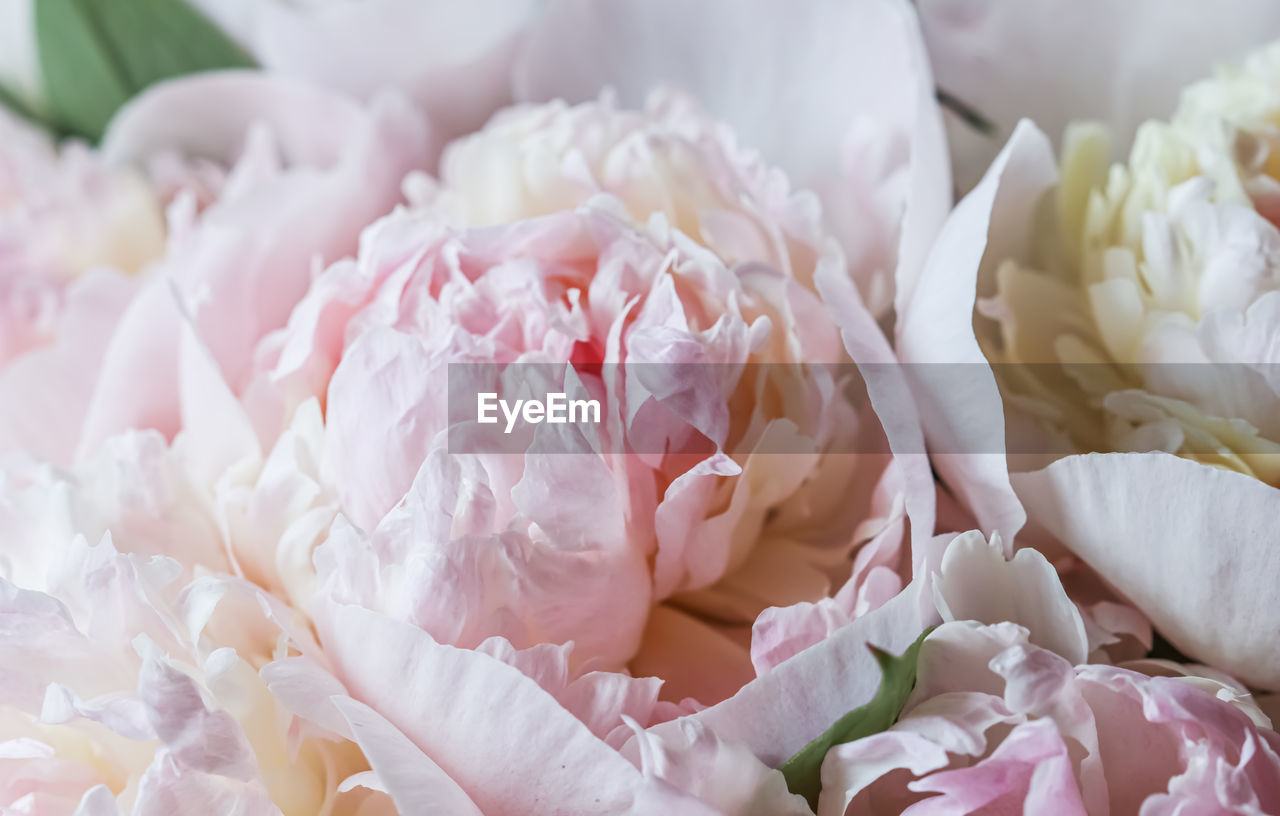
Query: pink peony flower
[(1005, 712), (996, 722), (617, 531), (470, 568), (325, 587)]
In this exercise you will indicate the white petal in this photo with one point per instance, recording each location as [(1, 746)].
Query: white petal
[(415, 782), (958, 399), (1194, 547)]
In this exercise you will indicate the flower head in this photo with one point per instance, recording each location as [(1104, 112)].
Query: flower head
[(1162, 280)]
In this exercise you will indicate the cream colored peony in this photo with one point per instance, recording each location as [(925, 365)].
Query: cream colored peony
[(1156, 285), (1129, 315)]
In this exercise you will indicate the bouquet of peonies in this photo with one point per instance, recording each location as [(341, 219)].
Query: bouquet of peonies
[(569, 407)]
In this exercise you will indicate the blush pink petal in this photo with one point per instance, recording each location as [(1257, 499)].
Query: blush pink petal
[(384, 409), (952, 725), (780, 632), (195, 736), (44, 394), (884, 564), (209, 114), (300, 195), (579, 582), (1029, 771), (896, 407), (165, 790), (440, 698), (996, 724), (218, 432)]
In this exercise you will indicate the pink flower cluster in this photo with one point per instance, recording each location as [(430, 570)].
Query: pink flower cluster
[(936, 463)]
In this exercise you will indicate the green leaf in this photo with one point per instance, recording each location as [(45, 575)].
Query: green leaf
[(84, 85), (96, 54), (803, 771), (155, 40)]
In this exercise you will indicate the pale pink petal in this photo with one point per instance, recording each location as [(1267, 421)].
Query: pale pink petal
[(1029, 772), (166, 788), (307, 688), (851, 767), (385, 407), (441, 698), (725, 776), (959, 656), (44, 393), (776, 714), (895, 406), (781, 632), (98, 801), (209, 115), (218, 432), (417, 784), (247, 260), (923, 740), (130, 390)]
